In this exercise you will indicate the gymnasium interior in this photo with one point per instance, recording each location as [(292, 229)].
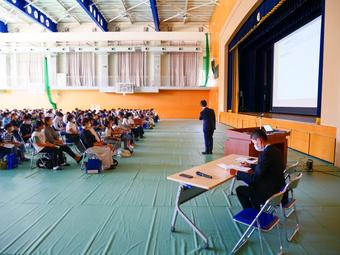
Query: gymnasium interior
[(142, 68)]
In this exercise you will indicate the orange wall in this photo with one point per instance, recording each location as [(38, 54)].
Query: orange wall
[(168, 103), (221, 13), (217, 21)]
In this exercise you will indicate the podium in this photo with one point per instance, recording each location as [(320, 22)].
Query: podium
[(239, 142)]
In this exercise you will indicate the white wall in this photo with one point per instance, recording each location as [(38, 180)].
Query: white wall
[(330, 111)]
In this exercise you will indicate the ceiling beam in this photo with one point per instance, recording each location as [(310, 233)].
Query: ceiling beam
[(127, 10), (154, 10), (29, 10), (101, 37), (187, 12), (3, 27), (67, 12), (94, 13), (185, 16)]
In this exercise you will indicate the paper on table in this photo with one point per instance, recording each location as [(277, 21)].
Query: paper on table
[(9, 145), (235, 167), (248, 160)]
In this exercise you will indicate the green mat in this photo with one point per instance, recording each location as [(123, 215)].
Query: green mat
[(129, 210)]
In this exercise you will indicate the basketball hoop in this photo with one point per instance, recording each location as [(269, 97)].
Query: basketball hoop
[(125, 88)]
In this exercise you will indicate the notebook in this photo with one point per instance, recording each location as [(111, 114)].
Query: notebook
[(249, 160), (235, 167)]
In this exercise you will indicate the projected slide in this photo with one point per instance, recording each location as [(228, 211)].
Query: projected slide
[(296, 68)]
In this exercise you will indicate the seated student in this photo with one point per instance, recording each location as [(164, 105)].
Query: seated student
[(99, 148), (267, 178), (3, 150), (6, 119), (72, 132), (25, 129), (53, 137), (41, 145), (137, 131), (17, 146), (58, 123), (112, 136), (126, 136)]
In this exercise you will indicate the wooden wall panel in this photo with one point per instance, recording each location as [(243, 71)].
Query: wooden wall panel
[(300, 140), (316, 140), (322, 147)]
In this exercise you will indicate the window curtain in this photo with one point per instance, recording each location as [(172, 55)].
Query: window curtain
[(183, 69), (131, 68), (25, 70), (81, 69)]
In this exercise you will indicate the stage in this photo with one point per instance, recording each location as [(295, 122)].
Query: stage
[(278, 116), (305, 135)]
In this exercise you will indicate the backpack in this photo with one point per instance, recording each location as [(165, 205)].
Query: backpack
[(12, 161), (44, 162)]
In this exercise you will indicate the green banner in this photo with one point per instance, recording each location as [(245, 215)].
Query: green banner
[(206, 61), (47, 85)]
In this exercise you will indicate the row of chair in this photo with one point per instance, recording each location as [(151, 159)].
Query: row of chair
[(269, 215)]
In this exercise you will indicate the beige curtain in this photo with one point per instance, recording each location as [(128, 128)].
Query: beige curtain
[(131, 68), (81, 69), (183, 69), (25, 70)]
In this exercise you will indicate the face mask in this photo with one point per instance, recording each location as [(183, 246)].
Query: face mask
[(258, 148)]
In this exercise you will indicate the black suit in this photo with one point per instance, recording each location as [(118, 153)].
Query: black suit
[(209, 125), (267, 180)]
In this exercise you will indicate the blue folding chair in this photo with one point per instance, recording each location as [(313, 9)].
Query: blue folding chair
[(290, 206), (262, 220)]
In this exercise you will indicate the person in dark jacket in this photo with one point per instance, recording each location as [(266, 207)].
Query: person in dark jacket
[(267, 178), (209, 126)]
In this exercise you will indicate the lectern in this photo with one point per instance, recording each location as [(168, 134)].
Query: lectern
[(239, 142)]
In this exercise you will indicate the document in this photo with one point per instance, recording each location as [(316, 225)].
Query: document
[(249, 160), (9, 145), (235, 167)]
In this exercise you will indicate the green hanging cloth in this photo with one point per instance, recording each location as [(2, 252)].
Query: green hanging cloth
[(206, 60), (47, 85)]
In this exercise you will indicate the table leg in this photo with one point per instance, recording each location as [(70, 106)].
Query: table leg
[(184, 194), (229, 192)]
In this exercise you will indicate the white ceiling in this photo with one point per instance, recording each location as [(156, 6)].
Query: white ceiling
[(117, 11)]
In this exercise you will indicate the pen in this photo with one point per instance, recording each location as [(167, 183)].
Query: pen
[(203, 175)]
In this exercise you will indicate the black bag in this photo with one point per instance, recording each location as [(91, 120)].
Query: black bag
[(115, 162), (45, 162)]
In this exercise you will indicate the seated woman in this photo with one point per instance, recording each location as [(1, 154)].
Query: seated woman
[(41, 145), (126, 136), (112, 136), (53, 137), (26, 129), (99, 148), (11, 142), (3, 150), (137, 130), (72, 132)]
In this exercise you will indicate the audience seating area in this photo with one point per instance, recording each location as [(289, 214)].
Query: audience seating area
[(115, 130)]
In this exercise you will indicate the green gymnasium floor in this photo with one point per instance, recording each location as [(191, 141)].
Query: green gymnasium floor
[(128, 210)]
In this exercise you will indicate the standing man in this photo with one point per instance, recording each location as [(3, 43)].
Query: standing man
[(209, 125)]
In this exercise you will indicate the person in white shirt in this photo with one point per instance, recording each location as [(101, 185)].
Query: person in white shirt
[(57, 123), (41, 145), (72, 133)]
